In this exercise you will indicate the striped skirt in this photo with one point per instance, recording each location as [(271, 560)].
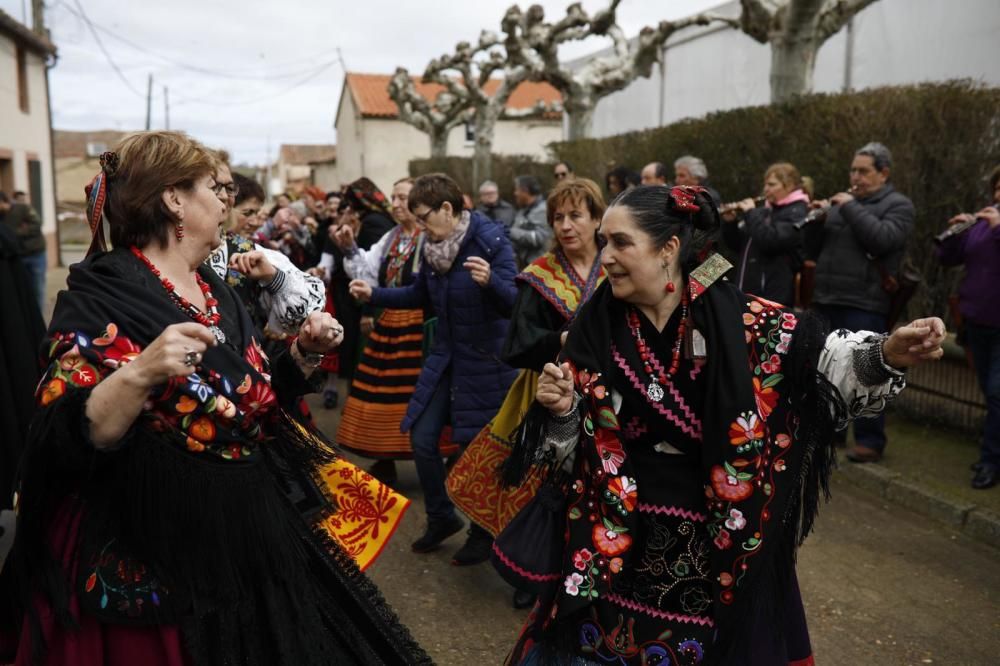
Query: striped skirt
[(383, 384)]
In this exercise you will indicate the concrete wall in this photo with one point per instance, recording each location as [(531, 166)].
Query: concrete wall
[(25, 136), (896, 42), (381, 148), (325, 176)]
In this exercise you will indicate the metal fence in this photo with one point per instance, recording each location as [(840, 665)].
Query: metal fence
[(945, 393)]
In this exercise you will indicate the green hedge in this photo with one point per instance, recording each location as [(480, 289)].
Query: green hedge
[(945, 139), (504, 168)]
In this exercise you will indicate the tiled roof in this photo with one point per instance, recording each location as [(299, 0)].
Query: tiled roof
[(307, 153), (371, 94), (23, 35), (74, 144)]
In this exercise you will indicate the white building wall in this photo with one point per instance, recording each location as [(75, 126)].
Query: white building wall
[(896, 42), (27, 134)]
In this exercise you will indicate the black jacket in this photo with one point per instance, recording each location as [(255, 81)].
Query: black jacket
[(770, 251), (855, 233), (27, 226), (501, 213)]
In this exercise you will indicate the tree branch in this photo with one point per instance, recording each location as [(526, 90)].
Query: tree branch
[(837, 15), (756, 20)]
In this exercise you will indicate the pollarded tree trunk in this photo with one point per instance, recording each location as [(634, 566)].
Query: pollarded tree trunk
[(439, 143), (580, 120), (482, 157), (792, 64)]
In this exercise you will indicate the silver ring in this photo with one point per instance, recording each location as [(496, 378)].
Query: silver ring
[(191, 358)]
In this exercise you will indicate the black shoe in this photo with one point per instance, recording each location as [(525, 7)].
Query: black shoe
[(436, 533), (476, 548), (384, 471), (524, 599), (330, 399), (986, 477)]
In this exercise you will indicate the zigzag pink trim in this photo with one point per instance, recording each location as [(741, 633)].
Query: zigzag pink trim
[(695, 371), (663, 615), (694, 432), (538, 578), (672, 511)]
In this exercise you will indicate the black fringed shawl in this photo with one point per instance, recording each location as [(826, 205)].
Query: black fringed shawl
[(767, 428), (184, 520)]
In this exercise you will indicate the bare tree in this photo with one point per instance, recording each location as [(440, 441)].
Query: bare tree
[(471, 69), (795, 29), (435, 118), (534, 44)]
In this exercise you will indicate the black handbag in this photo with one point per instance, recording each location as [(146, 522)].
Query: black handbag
[(528, 552)]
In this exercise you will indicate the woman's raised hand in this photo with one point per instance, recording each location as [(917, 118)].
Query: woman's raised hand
[(555, 388), (360, 290), (254, 264), (174, 353), (320, 333), (918, 341), (344, 237)]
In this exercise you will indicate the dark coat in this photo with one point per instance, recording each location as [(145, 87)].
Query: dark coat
[(876, 226), (472, 325), (27, 226), (502, 213), (769, 249)]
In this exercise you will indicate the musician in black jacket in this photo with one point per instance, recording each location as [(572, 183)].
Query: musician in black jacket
[(769, 245), (862, 242)]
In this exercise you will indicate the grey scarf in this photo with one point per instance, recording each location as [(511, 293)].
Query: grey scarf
[(441, 254)]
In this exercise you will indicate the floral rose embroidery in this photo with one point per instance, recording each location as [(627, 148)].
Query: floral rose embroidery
[(736, 521), (785, 340), (766, 397), (730, 487), (582, 559), (772, 365), (609, 541), (746, 428), (624, 490), (610, 450), (722, 540), (572, 584)]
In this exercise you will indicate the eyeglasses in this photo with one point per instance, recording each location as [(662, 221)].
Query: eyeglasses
[(231, 189), (423, 217)]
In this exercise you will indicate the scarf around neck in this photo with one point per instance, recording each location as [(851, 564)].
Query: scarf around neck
[(441, 254)]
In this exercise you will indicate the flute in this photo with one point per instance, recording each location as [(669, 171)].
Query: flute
[(819, 214), (958, 229), (728, 207)]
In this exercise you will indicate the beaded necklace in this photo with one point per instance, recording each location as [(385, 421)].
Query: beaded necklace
[(650, 364), (210, 320)]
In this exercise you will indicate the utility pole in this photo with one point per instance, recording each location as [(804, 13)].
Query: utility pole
[(149, 103), (166, 107)]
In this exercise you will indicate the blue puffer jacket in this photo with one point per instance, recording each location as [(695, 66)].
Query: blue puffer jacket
[(472, 325)]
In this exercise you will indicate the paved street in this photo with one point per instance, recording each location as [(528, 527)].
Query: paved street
[(881, 586)]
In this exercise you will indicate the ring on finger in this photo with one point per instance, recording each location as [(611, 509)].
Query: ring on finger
[(191, 357)]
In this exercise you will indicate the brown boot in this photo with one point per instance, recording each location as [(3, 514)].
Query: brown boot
[(863, 454)]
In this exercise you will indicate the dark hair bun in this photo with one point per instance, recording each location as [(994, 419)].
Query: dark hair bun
[(707, 218)]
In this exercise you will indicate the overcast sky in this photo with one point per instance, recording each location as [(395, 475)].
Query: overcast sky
[(249, 75)]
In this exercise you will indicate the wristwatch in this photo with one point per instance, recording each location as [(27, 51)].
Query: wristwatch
[(311, 359)]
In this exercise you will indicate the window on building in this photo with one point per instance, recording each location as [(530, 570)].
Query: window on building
[(35, 185), (22, 79), (6, 174), (470, 132), (96, 148)]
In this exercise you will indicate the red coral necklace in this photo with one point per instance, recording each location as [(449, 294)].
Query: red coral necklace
[(211, 319), (657, 377)]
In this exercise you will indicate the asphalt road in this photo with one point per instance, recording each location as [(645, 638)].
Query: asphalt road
[(881, 586)]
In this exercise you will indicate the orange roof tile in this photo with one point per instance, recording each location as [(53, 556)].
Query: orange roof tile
[(371, 94)]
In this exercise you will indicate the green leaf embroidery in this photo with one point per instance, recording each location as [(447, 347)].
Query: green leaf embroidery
[(772, 380)]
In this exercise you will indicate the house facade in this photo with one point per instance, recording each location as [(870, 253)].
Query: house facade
[(891, 42), (372, 141), (302, 165), (25, 124)]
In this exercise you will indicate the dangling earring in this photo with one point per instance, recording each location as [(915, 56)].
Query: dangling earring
[(670, 288), (179, 231)]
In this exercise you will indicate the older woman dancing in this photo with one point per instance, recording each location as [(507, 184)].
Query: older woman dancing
[(153, 528)]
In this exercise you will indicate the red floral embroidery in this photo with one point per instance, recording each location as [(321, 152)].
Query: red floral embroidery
[(729, 487), (609, 541), (747, 428)]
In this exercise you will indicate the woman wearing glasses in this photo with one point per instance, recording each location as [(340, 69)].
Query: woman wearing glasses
[(468, 277)]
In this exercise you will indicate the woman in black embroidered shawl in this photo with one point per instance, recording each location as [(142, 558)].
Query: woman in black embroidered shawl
[(696, 424), (153, 528)]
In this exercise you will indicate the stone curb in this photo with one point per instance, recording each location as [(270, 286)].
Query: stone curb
[(972, 521)]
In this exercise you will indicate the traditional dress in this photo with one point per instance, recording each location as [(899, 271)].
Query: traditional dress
[(693, 477), (550, 291), (278, 309), (179, 544), (386, 376)]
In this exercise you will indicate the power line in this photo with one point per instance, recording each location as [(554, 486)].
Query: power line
[(230, 74), (219, 100), (100, 45)]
